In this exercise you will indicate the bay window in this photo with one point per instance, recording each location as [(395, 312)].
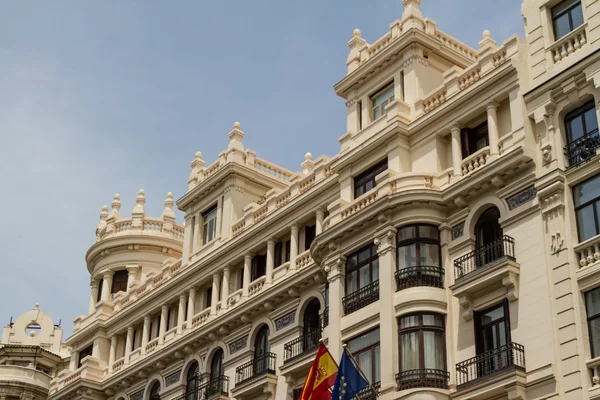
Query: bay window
[(366, 181), (419, 257), (365, 350), (362, 279), (381, 99), (209, 225)]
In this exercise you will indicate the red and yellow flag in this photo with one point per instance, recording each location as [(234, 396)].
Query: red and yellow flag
[(321, 377)]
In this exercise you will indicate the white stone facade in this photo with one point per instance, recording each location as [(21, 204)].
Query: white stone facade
[(441, 243)]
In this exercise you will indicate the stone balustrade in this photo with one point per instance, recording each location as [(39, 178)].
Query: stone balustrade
[(200, 318), (272, 169), (170, 334), (303, 259), (149, 226), (151, 346), (475, 161), (362, 202), (135, 354), (588, 252), (117, 365), (256, 286), (234, 298), (380, 44), (568, 44), (594, 366), (27, 375), (456, 45), (434, 100), (469, 77)]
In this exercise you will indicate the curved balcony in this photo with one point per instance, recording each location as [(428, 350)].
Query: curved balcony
[(422, 378), (419, 275), (361, 298)]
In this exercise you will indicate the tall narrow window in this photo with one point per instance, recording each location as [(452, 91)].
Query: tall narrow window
[(474, 139), (592, 305), (287, 250), (419, 257), (192, 382), (366, 181), (362, 279), (582, 134), (359, 116), (586, 197), (262, 348), (259, 266), (155, 391), (83, 354), (310, 232), (365, 350), (119, 283), (566, 17), (208, 301), (216, 365), (492, 334), (100, 286), (278, 254), (381, 99), (209, 225)]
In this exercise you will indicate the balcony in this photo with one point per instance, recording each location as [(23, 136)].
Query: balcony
[(361, 298), (419, 275), (256, 378), (260, 365), (422, 378), (216, 388), (582, 149), (503, 360), (302, 345), (485, 270), (369, 393), (325, 317)]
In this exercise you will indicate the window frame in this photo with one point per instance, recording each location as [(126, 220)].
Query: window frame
[(375, 364), (258, 270), (588, 320), (385, 101), (374, 256), (119, 285), (595, 203), (417, 240), (469, 138), (568, 10), (310, 233), (578, 113), (421, 328), (479, 327), (361, 180), (206, 225), (83, 353)]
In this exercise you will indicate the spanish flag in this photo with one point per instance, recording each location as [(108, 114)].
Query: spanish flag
[(321, 377)]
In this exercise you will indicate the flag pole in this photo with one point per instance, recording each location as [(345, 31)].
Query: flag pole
[(360, 370)]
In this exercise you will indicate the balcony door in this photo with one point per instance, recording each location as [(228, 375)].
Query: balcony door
[(261, 350), (492, 328), (488, 237), (216, 366), (311, 325)]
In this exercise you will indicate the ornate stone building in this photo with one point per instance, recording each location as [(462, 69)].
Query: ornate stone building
[(31, 354), (452, 244)]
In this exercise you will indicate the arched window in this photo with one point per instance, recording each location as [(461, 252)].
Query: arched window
[(311, 325), (154, 391), (216, 365), (261, 351), (419, 257), (192, 381), (582, 134), (488, 237)]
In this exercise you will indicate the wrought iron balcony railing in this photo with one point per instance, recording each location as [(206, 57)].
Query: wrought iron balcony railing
[(302, 345), (325, 317), (264, 364), (369, 393), (582, 149), (509, 356), (419, 275), (422, 378), (503, 247), (207, 388), (361, 298)]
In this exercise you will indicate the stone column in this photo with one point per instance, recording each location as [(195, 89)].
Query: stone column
[(129, 343), (107, 285), (225, 290), (113, 352), (246, 282), (456, 151), (94, 296), (164, 313), (73, 361), (336, 271), (215, 294), (492, 120), (270, 261), (181, 313), (386, 249), (146, 333), (294, 246), (320, 218), (132, 275), (190, 311)]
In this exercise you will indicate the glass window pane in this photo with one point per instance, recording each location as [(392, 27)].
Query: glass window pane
[(595, 337), (433, 350), (430, 254), (407, 233), (376, 112), (586, 224), (407, 256), (592, 302), (433, 320), (365, 276), (351, 263), (427, 231), (586, 191), (577, 16), (492, 315), (409, 321), (365, 362), (561, 26), (410, 351), (375, 270), (591, 120), (377, 374), (364, 255), (352, 282), (381, 98), (363, 341), (576, 128)]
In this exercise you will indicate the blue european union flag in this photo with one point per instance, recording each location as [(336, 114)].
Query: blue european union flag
[(349, 380)]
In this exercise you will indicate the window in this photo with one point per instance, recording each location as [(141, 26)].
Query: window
[(492, 328), (586, 197), (119, 283), (566, 16), (209, 225), (592, 305), (33, 329), (99, 295), (192, 382), (287, 250), (208, 301), (259, 266), (474, 139), (381, 99), (311, 328), (362, 268), (310, 232), (359, 111), (366, 181), (419, 257), (83, 354), (582, 134), (365, 350), (261, 350), (154, 391), (216, 365), (422, 351)]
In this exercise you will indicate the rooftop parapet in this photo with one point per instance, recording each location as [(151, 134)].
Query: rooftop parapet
[(114, 225)]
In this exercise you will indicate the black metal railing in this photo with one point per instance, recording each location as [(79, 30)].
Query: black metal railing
[(302, 345), (361, 298), (582, 149), (264, 364), (208, 388), (509, 356), (422, 378), (419, 275), (503, 247), (325, 317), (368, 393)]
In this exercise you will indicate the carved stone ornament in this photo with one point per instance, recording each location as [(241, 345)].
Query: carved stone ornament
[(285, 320), (137, 395), (173, 378), (547, 153), (521, 198), (238, 345), (458, 230)]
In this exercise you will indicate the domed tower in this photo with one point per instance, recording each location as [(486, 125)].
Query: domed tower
[(129, 252)]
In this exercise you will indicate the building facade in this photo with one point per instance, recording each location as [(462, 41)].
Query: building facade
[(452, 244), (31, 354)]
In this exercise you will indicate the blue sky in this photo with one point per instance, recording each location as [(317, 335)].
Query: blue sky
[(111, 96)]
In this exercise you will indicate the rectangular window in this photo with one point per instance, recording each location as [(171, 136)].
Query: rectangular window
[(362, 268), (474, 139), (566, 17), (365, 350), (592, 306), (310, 232), (586, 197), (83, 354), (208, 301), (119, 283), (366, 181), (359, 116), (582, 134), (100, 285), (209, 225), (492, 328), (422, 342), (287, 251), (278, 254), (259, 266), (381, 99)]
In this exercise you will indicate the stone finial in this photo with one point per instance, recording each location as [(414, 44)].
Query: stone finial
[(116, 203), (102, 224), (168, 212), (36, 306), (140, 200), (486, 39), (104, 213), (308, 165), (411, 9), (197, 164), (236, 133), (356, 33), (308, 157), (357, 44)]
